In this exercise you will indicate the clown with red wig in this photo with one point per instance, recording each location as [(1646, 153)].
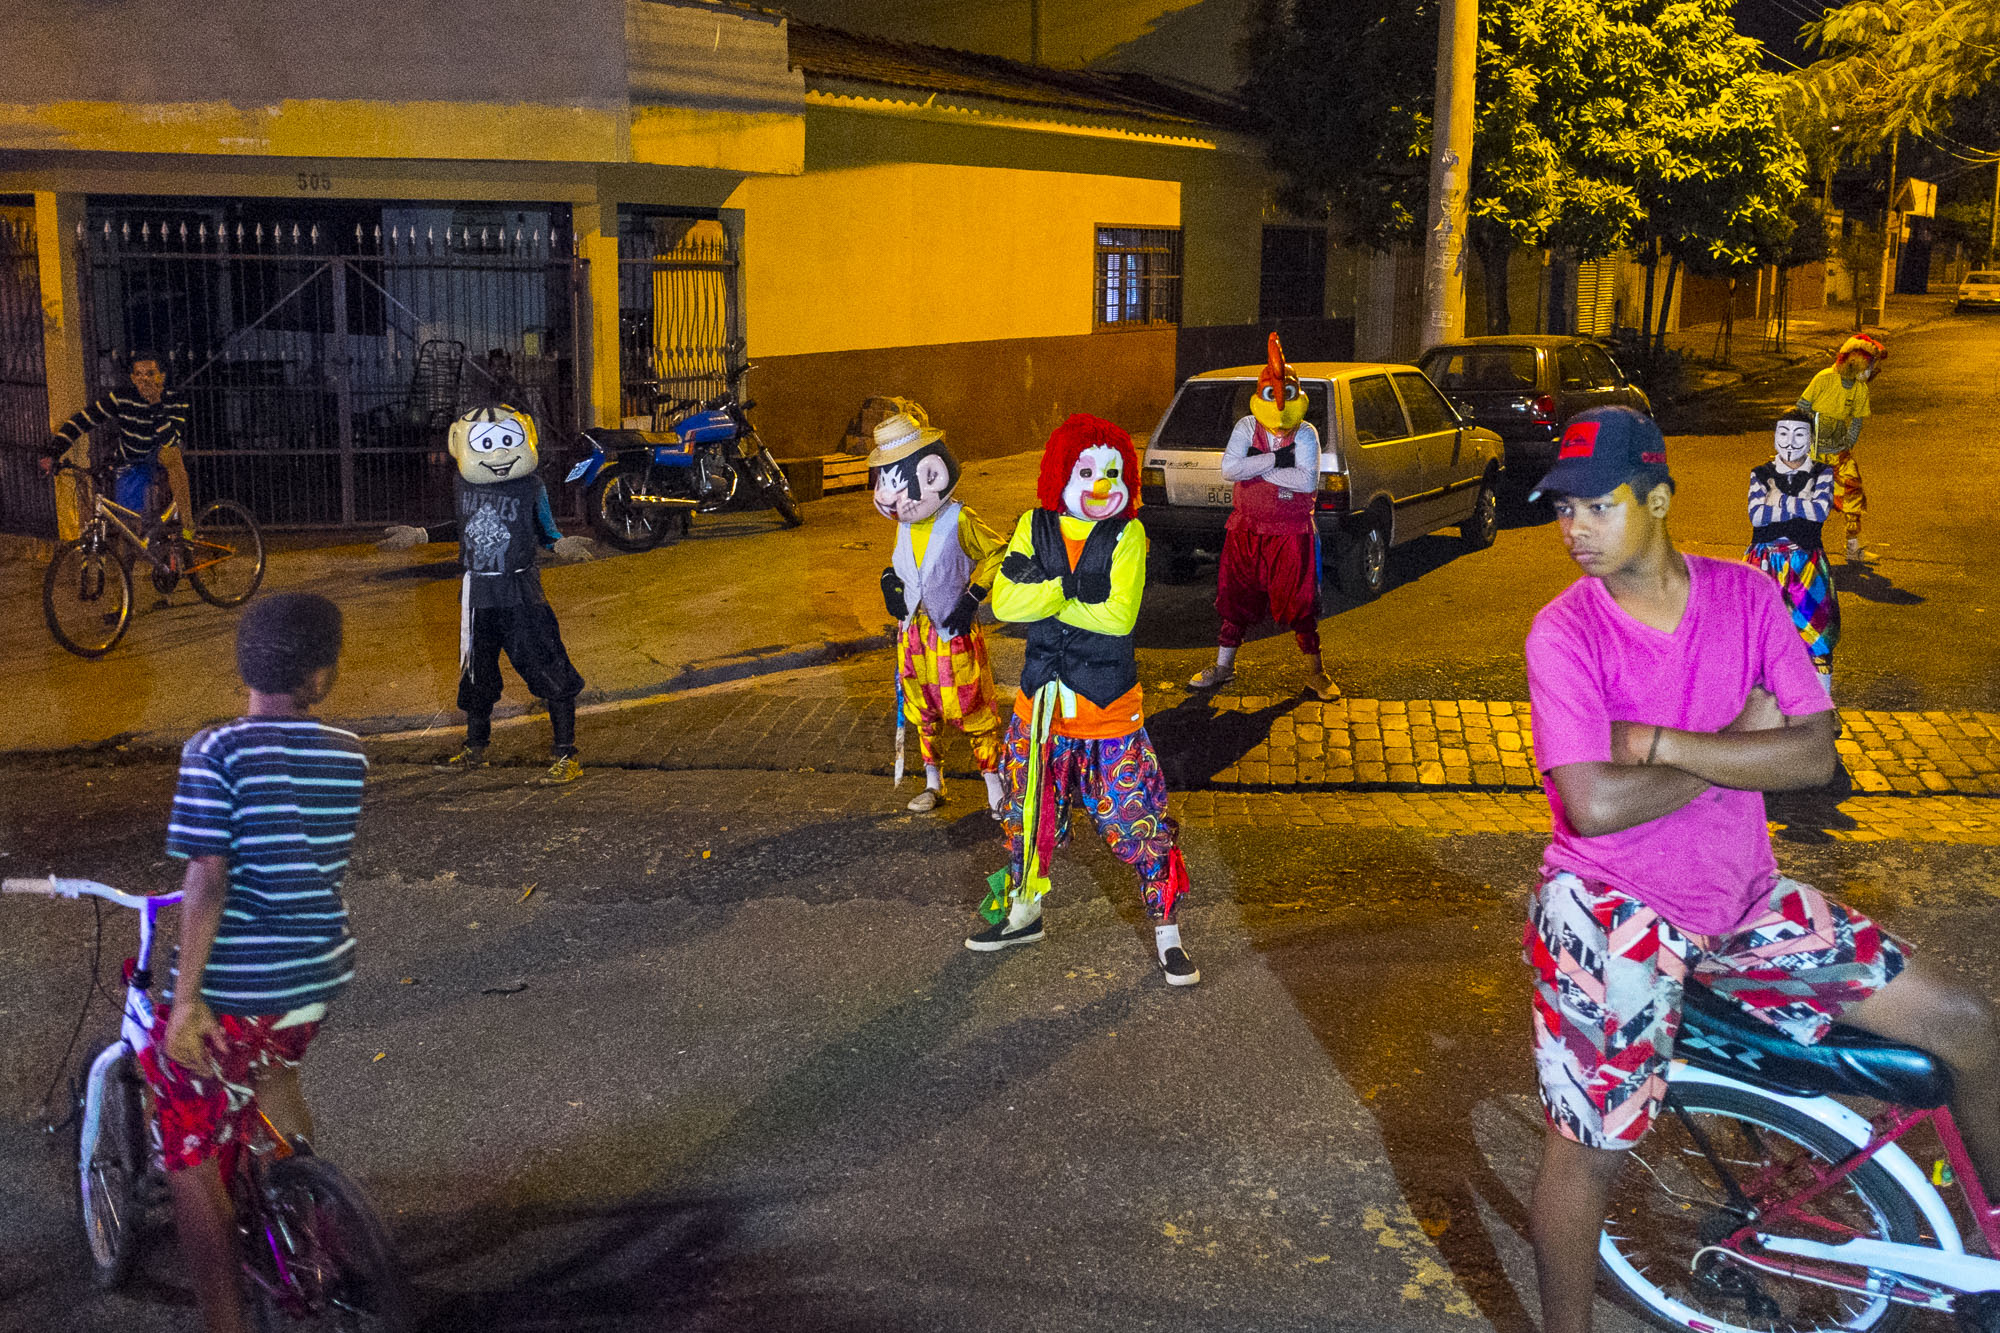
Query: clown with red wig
[(1074, 575), (1270, 549), (1837, 399)]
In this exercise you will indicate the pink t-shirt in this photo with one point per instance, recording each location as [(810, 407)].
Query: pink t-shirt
[(1708, 864)]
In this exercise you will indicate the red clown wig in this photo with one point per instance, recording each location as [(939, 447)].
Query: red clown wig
[(1067, 443)]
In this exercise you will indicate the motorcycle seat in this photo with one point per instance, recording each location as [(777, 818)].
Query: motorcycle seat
[(1718, 1035)]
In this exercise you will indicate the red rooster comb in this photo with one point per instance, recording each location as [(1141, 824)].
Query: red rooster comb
[(1277, 372)]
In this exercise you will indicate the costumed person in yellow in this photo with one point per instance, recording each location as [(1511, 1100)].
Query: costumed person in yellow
[(944, 565), (504, 522), (1074, 574), (1837, 398), (1270, 551)]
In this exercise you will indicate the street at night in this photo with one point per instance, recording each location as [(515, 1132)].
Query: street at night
[(692, 1042)]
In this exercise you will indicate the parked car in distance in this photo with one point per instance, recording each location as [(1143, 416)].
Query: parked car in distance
[(1527, 388), (1979, 291), (1396, 462)]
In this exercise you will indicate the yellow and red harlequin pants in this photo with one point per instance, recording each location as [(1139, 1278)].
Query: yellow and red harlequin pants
[(949, 681), (1848, 496), (1119, 782)]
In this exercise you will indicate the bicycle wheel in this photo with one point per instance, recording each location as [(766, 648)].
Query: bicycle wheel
[(1670, 1203), (109, 1166), (226, 556), (87, 597), (319, 1256)]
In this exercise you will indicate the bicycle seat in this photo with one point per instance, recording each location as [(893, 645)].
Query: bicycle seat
[(1716, 1034)]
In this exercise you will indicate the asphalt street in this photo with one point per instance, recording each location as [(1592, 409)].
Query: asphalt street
[(698, 1048)]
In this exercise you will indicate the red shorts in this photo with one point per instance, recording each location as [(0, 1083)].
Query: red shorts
[(203, 1113)]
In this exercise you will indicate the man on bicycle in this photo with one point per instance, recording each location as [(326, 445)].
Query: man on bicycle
[(151, 423), (1670, 692), (264, 815)]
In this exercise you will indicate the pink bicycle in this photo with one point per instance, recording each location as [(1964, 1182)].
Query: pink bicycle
[(1758, 1202)]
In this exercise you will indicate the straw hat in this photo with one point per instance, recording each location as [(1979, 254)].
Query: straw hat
[(899, 436)]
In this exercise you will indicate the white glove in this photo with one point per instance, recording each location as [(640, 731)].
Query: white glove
[(401, 537), (571, 550)]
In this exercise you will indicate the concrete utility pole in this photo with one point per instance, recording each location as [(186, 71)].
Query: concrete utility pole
[(1886, 279), (1451, 173), (1034, 32), (1993, 218)]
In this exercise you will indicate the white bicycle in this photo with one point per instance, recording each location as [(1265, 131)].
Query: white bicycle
[(313, 1253), (1758, 1203)]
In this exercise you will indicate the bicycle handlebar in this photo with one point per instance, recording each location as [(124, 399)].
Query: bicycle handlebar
[(52, 887)]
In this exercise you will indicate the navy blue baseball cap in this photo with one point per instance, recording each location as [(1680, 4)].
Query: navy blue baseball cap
[(1603, 448)]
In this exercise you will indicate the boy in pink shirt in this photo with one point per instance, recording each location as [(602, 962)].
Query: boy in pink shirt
[(1670, 693)]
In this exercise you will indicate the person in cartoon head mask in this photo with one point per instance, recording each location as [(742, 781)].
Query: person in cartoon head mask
[(504, 522), (1270, 551), (1790, 497), (944, 563), (1837, 400), (1074, 574)]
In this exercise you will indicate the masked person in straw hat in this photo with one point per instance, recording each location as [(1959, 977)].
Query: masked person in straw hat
[(944, 564)]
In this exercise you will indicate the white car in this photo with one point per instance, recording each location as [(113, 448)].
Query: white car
[(1396, 461), (1979, 291)]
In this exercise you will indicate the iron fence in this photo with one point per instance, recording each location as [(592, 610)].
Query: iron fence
[(27, 502), (679, 320), (325, 357)]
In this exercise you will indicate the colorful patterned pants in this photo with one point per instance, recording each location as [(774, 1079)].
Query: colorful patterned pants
[(1848, 496), (1269, 574), (1608, 977), (949, 681), (1120, 784), (1805, 578)]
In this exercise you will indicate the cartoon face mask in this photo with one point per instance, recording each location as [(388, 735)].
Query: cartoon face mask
[(911, 489), (1794, 442), (493, 444), (1097, 487), (1279, 404)]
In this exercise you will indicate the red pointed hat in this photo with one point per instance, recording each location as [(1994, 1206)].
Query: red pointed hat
[(1277, 371)]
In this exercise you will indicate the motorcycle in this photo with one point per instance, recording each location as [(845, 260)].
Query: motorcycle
[(699, 458)]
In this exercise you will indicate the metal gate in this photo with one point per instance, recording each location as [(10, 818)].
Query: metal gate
[(679, 314), (325, 357), (27, 502)]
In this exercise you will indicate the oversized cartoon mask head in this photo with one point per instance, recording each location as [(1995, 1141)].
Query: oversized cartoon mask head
[(1861, 356), (1793, 438), (1089, 470), (911, 469), (1279, 404), (493, 444)]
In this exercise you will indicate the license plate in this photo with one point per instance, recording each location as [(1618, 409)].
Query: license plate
[(1221, 495), (577, 472)]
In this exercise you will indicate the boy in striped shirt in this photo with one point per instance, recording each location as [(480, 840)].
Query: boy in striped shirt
[(264, 815)]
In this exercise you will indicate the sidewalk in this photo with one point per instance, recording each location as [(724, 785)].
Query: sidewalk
[(742, 596), (1814, 334)]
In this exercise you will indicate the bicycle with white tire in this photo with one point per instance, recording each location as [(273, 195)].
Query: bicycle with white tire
[(314, 1255), (1758, 1203)]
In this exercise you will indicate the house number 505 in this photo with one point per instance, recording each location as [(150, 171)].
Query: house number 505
[(315, 180)]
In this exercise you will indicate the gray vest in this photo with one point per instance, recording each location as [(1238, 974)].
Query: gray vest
[(947, 570)]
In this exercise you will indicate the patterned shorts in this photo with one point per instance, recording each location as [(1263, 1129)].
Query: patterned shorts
[(1608, 977), (203, 1114)]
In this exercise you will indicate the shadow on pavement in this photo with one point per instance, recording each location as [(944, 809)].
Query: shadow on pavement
[(1196, 740), (1811, 815), (1864, 582)]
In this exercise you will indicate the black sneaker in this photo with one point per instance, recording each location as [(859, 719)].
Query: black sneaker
[(1180, 968), (997, 937), (470, 756)]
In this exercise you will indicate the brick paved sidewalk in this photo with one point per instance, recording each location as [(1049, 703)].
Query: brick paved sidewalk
[(1242, 743)]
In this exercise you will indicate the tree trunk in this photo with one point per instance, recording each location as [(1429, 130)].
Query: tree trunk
[(1646, 311), (1562, 292), (1666, 306), (1729, 321), (1493, 263)]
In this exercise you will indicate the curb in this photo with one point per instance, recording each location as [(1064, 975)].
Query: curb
[(1770, 371)]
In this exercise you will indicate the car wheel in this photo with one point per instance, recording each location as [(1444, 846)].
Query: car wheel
[(1362, 567), (1482, 525)]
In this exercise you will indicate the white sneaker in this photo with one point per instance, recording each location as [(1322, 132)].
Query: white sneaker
[(1212, 677), (1853, 547), (930, 798)]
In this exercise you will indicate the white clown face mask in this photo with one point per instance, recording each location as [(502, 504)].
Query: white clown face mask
[(492, 445), (1794, 441), (910, 490), (1097, 486)]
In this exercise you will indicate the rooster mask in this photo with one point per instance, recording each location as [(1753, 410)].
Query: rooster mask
[(1279, 404)]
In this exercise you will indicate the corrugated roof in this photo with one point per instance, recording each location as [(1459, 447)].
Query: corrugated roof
[(831, 53)]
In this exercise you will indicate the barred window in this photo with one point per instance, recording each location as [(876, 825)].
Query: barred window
[(1292, 280), (1138, 276)]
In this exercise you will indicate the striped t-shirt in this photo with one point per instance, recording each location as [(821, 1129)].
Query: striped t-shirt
[(279, 797), (143, 428)]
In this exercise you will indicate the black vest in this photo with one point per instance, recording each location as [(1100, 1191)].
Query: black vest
[(1100, 667), (498, 541), (1801, 532)]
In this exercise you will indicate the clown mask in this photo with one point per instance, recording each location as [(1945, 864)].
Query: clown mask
[(1279, 404), (1097, 488), (493, 444), (1794, 441), (911, 489)]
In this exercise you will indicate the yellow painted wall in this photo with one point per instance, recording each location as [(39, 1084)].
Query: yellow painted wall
[(908, 254)]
